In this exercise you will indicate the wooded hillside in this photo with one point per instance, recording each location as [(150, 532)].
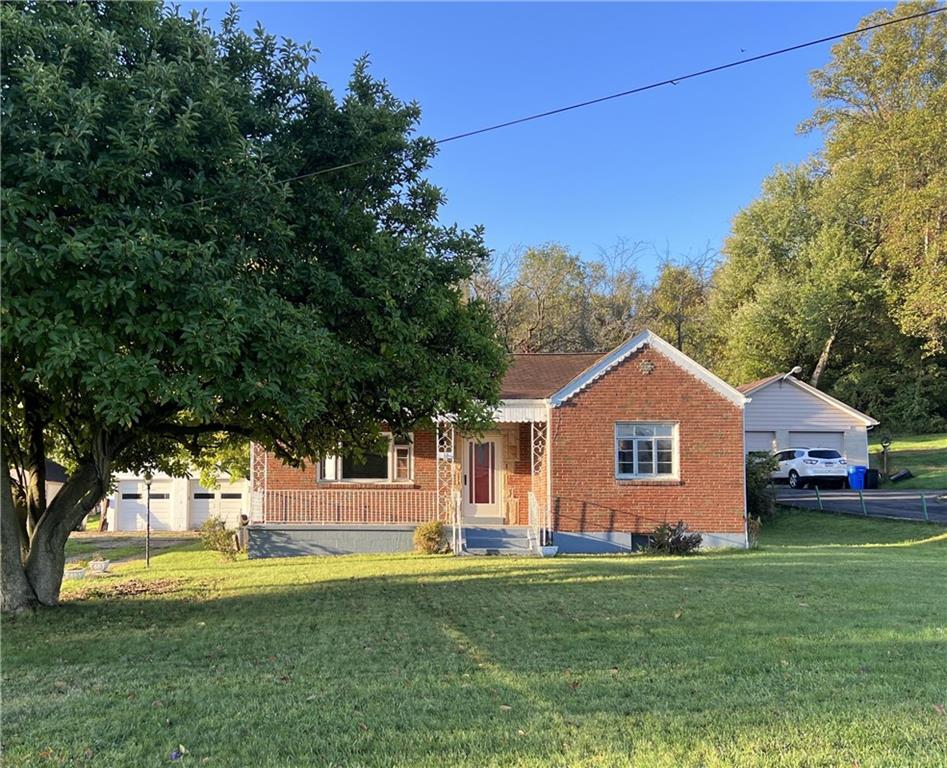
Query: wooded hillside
[(839, 266)]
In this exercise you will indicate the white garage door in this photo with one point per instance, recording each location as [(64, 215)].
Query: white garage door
[(760, 441), (132, 506), (225, 502), (834, 440)]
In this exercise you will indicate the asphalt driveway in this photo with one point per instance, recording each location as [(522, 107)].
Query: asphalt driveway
[(905, 505)]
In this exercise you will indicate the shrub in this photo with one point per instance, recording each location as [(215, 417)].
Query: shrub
[(753, 527), (216, 537), (429, 538), (669, 539), (760, 501)]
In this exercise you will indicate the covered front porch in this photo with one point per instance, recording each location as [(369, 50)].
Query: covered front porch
[(486, 488)]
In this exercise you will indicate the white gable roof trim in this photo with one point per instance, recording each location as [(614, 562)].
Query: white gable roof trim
[(864, 417), (647, 338)]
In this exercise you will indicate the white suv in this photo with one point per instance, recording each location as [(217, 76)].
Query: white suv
[(800, 466)]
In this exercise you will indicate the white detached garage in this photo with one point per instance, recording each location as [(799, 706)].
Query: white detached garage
[(177, 504), (784, 412)]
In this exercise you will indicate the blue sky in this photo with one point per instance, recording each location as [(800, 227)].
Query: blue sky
[(669, 167)]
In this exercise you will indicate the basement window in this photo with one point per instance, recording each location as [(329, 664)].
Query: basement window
[(645, 450)]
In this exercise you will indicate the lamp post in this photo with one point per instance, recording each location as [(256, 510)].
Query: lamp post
[(885, 445), (147, 477)]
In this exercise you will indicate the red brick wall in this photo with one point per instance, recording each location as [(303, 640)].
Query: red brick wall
[(519, 476), (709, 495)]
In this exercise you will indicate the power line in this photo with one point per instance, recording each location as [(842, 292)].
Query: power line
[(610, 97)]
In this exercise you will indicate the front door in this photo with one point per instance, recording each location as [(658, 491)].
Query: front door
[(481, 481)]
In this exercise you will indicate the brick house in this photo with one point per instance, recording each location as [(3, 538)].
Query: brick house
[(588, 451)]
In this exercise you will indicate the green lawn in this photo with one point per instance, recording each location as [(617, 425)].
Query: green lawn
[(802, 653), (924, 455)]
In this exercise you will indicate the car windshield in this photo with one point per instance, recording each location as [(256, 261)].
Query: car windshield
[(825, 454)]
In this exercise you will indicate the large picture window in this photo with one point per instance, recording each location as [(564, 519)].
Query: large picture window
[(391, 461), (645, 450)]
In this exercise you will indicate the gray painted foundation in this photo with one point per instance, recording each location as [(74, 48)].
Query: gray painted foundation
[(723, 541), (291, 540)]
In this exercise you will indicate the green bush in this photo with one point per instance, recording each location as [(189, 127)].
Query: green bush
[(216, 537), (430, 539), (669, 539), (760, 500)]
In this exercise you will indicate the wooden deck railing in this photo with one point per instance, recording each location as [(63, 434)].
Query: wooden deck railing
[(384, 506)]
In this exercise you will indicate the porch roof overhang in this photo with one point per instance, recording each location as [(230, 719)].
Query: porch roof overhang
[(518, 411), (515, 411)]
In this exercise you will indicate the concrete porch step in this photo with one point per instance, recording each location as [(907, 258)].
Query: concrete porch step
[(498, 540)]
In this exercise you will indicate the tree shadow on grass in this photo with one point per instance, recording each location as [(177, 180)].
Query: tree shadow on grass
[(421, 661)]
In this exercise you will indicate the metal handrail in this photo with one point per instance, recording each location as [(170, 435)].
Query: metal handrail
[(457, 524), (535, 519)]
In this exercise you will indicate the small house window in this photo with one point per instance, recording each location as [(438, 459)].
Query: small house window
[(402, 462), (391, 462), (645, 450)]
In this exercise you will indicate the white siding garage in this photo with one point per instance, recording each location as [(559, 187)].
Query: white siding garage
[(177, 503), (760, 441), (799, 416), (834, 440), (226, 502), (132, 507)]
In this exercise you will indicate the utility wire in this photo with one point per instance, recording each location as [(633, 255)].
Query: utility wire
[(610, 97)]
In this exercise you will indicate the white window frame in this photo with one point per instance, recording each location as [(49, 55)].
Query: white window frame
[(335, 463), (675, 449)]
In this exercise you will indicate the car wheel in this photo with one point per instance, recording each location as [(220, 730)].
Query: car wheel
[(794, 480)]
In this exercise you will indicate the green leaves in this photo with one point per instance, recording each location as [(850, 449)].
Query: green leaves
[(160, 285), (841, 265)]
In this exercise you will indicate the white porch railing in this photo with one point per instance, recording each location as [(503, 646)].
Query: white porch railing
[(328, 506)]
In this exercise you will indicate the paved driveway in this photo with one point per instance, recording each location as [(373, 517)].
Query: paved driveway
[(888, 503)]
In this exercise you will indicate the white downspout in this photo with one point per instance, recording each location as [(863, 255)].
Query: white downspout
[(746, 512), (548, 469)]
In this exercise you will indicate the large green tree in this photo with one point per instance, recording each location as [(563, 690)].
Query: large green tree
[(164, 287), (883, 107), (841, 265)]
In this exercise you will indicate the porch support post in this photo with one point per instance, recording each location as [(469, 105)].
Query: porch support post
[(258, 483), (539, 432), (445, 468)]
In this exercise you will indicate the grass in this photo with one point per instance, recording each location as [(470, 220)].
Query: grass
[(924, 455), (86, 549), (802, 653)]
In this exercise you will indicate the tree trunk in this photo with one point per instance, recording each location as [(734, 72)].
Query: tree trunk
[(39, 579), (16, 592), (823, 358)]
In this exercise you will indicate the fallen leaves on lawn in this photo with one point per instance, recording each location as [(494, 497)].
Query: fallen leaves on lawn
[(939, 709), (129, 588)]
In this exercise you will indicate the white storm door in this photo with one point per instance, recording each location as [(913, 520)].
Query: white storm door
[(481, 477)]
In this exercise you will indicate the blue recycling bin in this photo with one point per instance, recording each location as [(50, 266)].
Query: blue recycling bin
[(856, 477)]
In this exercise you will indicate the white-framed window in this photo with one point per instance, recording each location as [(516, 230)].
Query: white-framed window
[(391, 462), (645, 450)]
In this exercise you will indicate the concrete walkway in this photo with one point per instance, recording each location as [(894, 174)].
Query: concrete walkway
[(903, 505), (103, 543)]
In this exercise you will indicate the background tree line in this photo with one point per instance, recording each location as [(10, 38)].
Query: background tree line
[(839, 266)]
